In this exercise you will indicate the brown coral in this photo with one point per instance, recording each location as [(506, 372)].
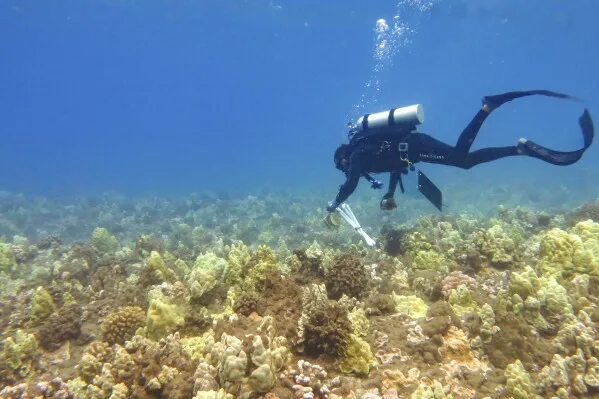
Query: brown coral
[(167, 363), (60, 327), (310, 267), (145, 244), (120, 325), (247, 303), (346, 276), (327, 330), (380, 304), (516, 341), (439, 319), (279, 297), (584, 212), (394, 240)]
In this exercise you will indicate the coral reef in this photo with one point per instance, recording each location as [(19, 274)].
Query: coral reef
[(207, 298)]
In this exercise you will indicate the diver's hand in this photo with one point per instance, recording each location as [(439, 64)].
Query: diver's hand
[(377, 184), (388, 204), (332, 205)]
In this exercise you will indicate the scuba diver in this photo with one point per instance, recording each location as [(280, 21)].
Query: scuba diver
[(388, 142)]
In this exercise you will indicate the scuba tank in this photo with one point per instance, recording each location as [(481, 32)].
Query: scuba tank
[(400, 120)]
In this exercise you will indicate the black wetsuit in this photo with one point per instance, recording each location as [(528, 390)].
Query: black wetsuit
[(396, 152)]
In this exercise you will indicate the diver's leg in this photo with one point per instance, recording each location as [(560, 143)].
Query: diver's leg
[(471, 130), (485, 155), (425, 148), (524, 146), (490, 103)]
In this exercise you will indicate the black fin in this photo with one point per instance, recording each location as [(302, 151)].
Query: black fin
[(588, 128), (562, 158), (500, 99)]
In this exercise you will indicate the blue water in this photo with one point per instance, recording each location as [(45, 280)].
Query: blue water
[(173, 97)]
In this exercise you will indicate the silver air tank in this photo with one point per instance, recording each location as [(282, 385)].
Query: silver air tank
[(407, 117)]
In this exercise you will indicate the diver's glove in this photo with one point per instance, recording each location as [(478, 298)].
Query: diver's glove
[(377, 184), (332, 205)]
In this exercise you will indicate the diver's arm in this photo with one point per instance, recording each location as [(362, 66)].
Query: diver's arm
[(368, 177), (351, 183), (374, 182), (347, 188)]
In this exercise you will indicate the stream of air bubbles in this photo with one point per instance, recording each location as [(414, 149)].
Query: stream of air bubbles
[(390, 37)]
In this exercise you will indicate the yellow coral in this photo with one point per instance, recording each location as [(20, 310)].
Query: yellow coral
[(180, 268), (525, 283), (430, 260), (564, 254), (42, 306), (163, 317), (156, 264), (238, 257), (488, 327), (207, 271), (359, 322), (103, 241), (266, 236), (357, 356), (195, 346), (496, 245), (554, 297), (122, 323), (8, 262), (519, 384), (435, 391), (265, 262), (21, 352), (461, 301), (411, 306)]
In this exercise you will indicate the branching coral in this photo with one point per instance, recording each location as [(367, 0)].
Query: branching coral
[(43, 389)]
